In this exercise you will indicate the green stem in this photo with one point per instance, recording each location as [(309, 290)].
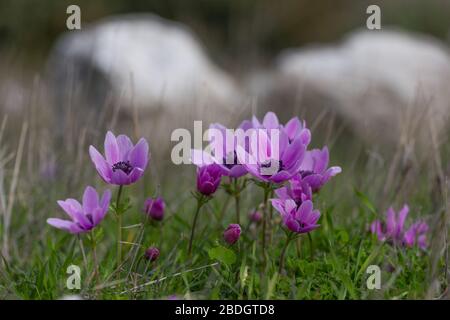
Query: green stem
[(94, 258), (237, 198), (270, 220), (311, 248), (263, 235), (119, 228), (281, 266), (83, 253), (200, 202)]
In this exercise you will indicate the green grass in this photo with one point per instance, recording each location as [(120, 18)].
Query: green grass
[(335, 268)]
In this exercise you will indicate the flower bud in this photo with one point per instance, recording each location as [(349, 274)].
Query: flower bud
[(152, 254), (232, 234), (154, 208)]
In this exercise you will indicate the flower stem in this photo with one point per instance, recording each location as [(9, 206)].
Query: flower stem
[(94, 258), (119, 228), (266, 197), (83, 252), (288, 240), (311, 248), (237, 198), (200, 202)]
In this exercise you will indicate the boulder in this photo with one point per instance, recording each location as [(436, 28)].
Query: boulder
[(388, 85), (144, 63)]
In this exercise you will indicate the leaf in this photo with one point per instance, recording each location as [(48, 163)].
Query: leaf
[(365, 200), (223, 255)]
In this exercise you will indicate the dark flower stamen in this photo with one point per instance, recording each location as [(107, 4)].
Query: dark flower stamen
[(227, 160), (305, 173), (125, 166), (271, 164)]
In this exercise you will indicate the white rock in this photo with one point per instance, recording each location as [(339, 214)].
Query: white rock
[(381, 81), (146, 60)]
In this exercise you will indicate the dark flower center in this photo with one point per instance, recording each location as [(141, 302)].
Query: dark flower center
[(305, 173), (125, 166), (227, 160), (271, 164)]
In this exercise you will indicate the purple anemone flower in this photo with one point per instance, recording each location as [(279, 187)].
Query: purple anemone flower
[(224, 148), (84, 217), (393, 230), (232, 233), (293, 128), (272, 157), (314, 169), (208, 178), (154, 208), (297, 190), (416, 234), (298, 219), (124, 163)]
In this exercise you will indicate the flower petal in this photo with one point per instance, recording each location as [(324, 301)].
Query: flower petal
[(60, 223), (103, 168), (270, 121), (304, 211), (293, 127), (139, 154), (120, 178), (135, 175), (90, 200), (125, 145), (111, 148)]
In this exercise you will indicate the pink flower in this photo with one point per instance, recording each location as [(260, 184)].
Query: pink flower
[(83, 217), (298, 219), (125, 163), (297, 190), (314, 169), (393, 229), (208, 178)]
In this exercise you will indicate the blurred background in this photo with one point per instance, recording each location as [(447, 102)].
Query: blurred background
[(148, 67)]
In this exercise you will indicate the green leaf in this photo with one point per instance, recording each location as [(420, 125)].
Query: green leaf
[(223, 255), (365, 200)]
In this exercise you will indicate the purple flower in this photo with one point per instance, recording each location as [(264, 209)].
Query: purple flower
[(124, 163), (298, 219), (272, 157), (152, 254), (314, 169), (223, 143), (232, 233), (84, 217), (255, 216), (417, 234), (154, 208), (293, 128), (297, 190), (208, 178), (393, 230)]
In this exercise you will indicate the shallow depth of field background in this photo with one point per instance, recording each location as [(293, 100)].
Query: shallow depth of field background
[(387, 159)]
